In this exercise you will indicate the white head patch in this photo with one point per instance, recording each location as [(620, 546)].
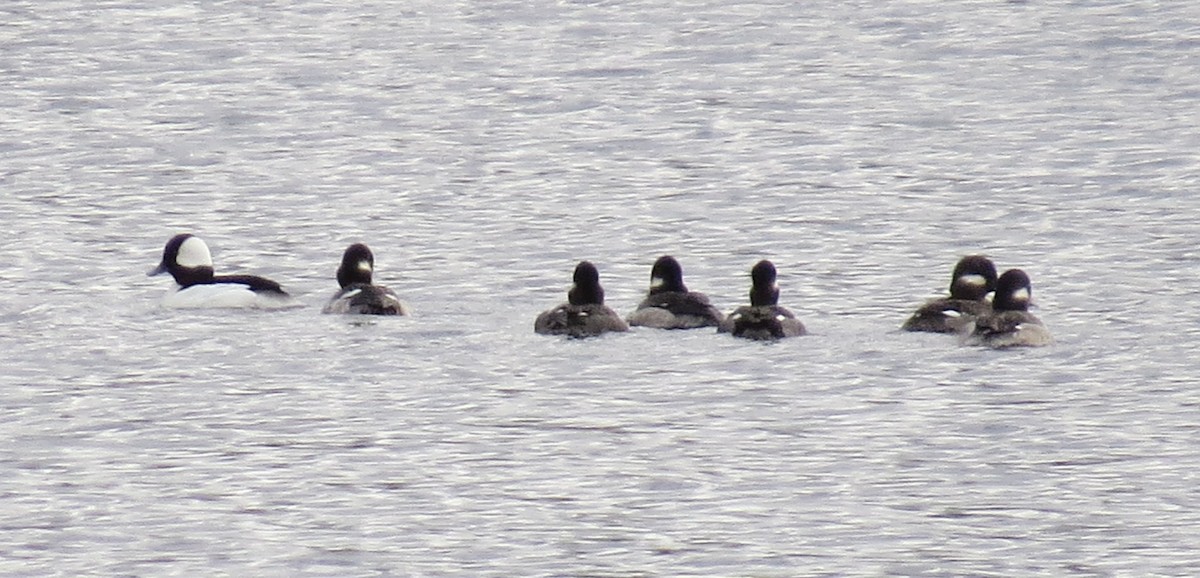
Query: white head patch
[(364, 266), (972, 279), (656, 282), (1021, 294), (193, 253)]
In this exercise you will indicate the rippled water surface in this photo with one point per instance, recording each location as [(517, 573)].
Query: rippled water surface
[(482, 149)]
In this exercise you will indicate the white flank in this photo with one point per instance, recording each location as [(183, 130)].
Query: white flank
[(193, 253), (223, 295)]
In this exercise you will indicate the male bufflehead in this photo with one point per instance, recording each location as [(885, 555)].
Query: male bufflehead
[(584, 314), (973, 278), (1010, 323), (187, 259), (669, 305), (357, 294), (764, 319)]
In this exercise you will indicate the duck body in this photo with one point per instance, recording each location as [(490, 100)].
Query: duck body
[(946, 315), (187, 258), (669, 304), (579, 320), (764, 319), (1010, 324), (762, 323), (365, 299), (974, 276), (358, 294), (584, 314)]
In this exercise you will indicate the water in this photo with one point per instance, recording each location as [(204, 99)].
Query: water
[(482, 149)]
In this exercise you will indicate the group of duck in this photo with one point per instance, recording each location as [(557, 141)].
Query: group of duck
[(669, 305), (187, 258), (1002, 321)]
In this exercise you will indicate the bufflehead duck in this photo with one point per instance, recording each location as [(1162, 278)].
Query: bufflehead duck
[(669, 305), (1010, 323), (764, 319), (973, 278), (584, 314), (187, 259), (357, 294)]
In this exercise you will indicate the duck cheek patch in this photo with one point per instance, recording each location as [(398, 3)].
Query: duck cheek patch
[(193, 253), (973, 280)]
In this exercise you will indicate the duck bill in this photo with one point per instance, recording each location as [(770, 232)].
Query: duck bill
[(159, 270)]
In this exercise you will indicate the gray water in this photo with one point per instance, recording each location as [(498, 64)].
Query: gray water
[(482, 149)]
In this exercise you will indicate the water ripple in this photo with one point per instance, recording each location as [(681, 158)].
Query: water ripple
[(482, 150)]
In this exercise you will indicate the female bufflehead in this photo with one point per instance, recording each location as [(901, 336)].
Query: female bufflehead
[(187, 259), (973, 278), (1010, 323), (357, 294), (764, 319), (584, 314), (669, 305)]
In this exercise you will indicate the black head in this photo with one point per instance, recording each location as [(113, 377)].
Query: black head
[(357, 265), (666, 275), (587, 289), (1013, 291), (764, 290), (187, 259), (974, 277)]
